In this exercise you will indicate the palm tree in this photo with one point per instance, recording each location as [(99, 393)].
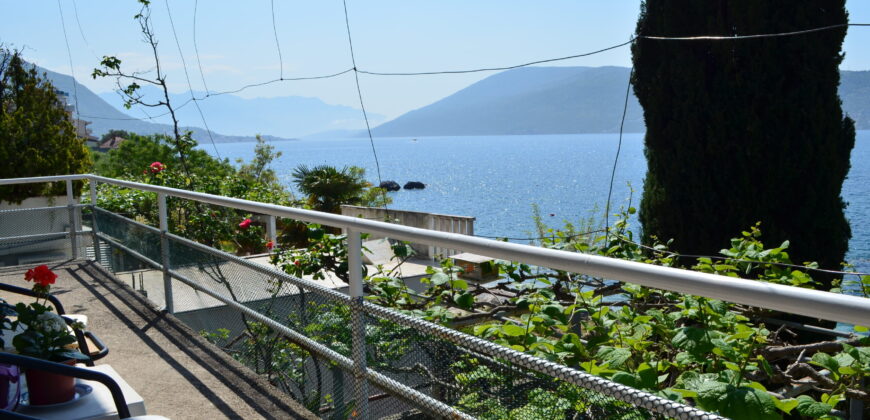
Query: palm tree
[(328, 187)]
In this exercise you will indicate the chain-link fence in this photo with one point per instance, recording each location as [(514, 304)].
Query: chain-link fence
[(440, 372), (35, 235)]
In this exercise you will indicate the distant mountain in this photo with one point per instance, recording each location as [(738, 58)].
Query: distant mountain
[(560, 100), (530, 100), (105, 117), (288, 116)]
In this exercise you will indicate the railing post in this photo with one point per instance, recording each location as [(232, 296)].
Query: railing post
[(430, 224), (94, 230), (164, 252), (70, 203), (272, 230), (358, 332)]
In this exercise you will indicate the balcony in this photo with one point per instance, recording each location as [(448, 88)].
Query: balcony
[(314, 350)]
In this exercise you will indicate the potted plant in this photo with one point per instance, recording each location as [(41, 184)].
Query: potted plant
[(45, 335)]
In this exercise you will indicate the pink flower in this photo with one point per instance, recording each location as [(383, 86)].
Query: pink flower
[(156, 167), (270, 245), (245, 224)]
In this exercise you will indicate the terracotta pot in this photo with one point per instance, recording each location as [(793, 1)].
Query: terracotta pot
[(50, 388)]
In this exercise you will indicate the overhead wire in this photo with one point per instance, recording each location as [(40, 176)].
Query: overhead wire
[(616, 158), (82, 32), (488, 69), (196, 49), (361, 103), (277, 43), (71, 67), (190, 85), (755, 36)]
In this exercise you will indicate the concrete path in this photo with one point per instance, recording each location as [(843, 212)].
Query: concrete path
[(178, 373)]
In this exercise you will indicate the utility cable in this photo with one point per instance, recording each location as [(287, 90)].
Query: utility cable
[(362, 104), (616, 159), (277, 44), (739, 37), (196, 49), (189, 85), (81, 32), (71, 67), (487, 69)]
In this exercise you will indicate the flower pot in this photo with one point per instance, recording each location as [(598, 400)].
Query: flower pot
[(50, 388)]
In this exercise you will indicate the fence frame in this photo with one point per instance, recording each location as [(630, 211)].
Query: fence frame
[(813, 303)]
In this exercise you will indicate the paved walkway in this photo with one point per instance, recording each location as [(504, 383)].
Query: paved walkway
[(178, 373)]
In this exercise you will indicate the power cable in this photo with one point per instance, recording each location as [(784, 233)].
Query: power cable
[(486, 69), (616, 159), (189, 85), (361, 104), (71, 67), (739, 37), (196, 48), (277, 44), (81, 32), (245, 87)]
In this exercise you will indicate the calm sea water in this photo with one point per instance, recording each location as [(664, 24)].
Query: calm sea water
[(497, 178)]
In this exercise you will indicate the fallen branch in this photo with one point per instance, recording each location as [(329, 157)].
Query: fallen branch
[(780, 352)]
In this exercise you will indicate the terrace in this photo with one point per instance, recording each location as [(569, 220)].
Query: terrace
[(346, 357)]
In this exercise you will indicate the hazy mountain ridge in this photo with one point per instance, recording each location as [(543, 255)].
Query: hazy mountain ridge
[(531, 100), (105, 117), (230, 118), (289, 116), (560, 100)]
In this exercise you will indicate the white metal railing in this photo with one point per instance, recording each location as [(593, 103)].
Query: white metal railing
[(813, 303)]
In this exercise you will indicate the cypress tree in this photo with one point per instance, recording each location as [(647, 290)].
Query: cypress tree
[(740, 131)]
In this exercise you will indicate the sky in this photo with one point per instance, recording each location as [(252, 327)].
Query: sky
[(237, 46)]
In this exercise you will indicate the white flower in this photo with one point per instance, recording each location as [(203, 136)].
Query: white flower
[(51, 322)]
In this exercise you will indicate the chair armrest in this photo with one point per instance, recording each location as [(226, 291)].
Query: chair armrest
[(61, 369)]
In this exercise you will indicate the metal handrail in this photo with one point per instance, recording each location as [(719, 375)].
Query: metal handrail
[(807, 302)]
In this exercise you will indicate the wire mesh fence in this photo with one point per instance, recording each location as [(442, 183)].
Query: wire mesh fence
[(479, 384), (31, 235), (413, 370)]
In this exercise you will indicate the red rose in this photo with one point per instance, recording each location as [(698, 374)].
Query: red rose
[(156, 167), (41, 275), (245, 224), (297, 262), (270, 245)]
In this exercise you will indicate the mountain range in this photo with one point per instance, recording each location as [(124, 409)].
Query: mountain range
[(230, 118), (530, 100), (560, 100)]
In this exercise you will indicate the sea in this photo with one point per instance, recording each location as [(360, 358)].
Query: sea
[(498, 179)]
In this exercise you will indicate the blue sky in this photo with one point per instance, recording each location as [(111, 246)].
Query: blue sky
[(237, 45)]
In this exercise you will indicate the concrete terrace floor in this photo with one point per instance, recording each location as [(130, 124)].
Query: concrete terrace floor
[(178, 373)]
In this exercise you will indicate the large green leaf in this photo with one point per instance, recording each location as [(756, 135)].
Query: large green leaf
[(614, 356), (809, 407), (513, 330), (694, 340), (737, 402)]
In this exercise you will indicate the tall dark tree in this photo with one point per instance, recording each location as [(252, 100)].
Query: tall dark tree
[(37, 137), (740, 131)]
